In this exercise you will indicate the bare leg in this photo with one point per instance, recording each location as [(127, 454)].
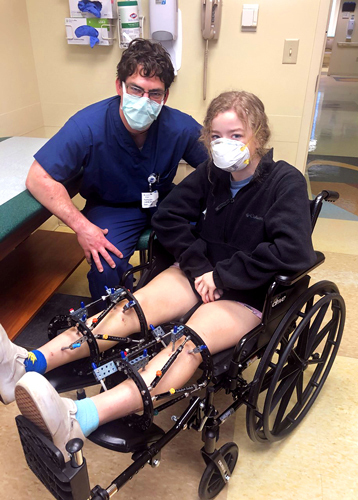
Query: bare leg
[(167, 297), (220, 324)]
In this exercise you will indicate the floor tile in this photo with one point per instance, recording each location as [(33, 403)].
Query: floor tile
[(318, 460)]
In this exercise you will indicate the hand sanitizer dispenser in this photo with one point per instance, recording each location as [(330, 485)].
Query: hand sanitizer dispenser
[(165, 27), (163, 20)]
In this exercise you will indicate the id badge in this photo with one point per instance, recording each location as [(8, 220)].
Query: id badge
[(150, 199)]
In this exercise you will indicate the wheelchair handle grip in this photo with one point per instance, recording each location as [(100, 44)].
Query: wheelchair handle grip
[(328, 195), (316, 204)]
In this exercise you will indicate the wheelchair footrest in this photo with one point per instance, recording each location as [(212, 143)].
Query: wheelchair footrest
[(119, 436), (64, 481)]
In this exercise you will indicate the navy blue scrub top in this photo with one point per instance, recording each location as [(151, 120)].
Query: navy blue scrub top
[(115, 170)]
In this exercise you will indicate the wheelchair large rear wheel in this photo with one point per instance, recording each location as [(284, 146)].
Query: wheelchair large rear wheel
[(296, 363), (212, 481)]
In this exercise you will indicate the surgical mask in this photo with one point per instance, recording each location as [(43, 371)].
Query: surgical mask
[(230, 155), (140, 112)]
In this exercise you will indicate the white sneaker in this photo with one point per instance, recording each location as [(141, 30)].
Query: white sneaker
[(40, 403), (12, 366)]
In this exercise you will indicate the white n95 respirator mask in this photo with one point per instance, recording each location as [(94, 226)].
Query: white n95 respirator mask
[(140, 112), (230, 155)]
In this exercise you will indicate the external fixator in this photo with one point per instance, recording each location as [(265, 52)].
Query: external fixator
[(133, 360), (79, 318)]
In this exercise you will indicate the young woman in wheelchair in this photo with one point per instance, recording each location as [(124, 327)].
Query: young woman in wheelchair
[(231, 225)]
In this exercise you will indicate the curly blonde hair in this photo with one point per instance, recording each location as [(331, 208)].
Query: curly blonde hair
[(249, 109)]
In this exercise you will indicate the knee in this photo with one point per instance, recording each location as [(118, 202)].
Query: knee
[(189, 357), (121, 266)]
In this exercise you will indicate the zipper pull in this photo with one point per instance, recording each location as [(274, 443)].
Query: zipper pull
[(222, 205)]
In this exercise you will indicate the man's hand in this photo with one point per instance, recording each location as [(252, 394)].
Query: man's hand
[(92, 240), (54, 196), (206, 288)]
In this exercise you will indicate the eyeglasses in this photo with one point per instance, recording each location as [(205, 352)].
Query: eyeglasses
[(154, 95)]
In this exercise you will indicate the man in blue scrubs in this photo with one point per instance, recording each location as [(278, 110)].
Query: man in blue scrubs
[(129, 147)]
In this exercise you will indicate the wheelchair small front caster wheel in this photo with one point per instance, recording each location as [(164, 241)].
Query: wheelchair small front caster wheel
[(212, 482)]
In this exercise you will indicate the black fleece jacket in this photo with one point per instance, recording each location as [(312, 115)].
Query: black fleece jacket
[(264, 230)]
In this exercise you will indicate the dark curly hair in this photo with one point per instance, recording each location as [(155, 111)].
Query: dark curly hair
[(151, 58)]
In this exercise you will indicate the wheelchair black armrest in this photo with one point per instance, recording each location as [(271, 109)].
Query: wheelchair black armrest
[(328, 195), (290, 280)]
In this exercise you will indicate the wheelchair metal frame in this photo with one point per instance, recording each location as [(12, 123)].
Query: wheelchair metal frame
[(301, 328)]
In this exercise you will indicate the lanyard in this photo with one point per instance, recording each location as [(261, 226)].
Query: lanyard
[(152, 179)]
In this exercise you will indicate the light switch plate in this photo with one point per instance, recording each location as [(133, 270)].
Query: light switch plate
[(249, 17), (290, 51)]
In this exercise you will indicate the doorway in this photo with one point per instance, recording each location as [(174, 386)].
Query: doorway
[(332, 161)]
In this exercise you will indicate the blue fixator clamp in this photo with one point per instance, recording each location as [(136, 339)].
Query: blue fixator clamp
[(197, 349), (129, 304)]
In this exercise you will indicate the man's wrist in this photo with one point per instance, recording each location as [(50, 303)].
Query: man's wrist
[(78, 222)]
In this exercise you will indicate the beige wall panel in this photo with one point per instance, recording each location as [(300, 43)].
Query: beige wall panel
[(71, 77), (21, 121), (284, 150), (56, 114), (19, 95), (285, 128), (43, 132)]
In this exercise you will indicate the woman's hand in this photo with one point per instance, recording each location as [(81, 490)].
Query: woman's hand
[(206, 288)]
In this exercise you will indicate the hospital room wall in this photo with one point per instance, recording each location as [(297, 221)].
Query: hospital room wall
[(71, 77), (20, 107)]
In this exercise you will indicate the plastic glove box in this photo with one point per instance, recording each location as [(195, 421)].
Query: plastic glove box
[(108, 11), (104, 28)]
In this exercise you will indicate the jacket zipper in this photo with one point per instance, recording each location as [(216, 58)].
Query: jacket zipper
[(224, 204), (219, 207)]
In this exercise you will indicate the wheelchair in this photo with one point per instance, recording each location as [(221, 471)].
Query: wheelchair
[(294, 348)]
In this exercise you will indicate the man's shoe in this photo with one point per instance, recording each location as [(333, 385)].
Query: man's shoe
[(40, 403), (12, 366)]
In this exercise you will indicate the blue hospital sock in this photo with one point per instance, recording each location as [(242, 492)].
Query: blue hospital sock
[(35, 362), (87, 415)]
